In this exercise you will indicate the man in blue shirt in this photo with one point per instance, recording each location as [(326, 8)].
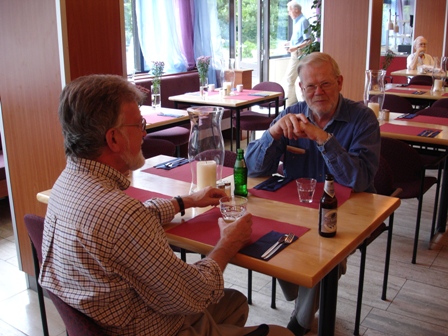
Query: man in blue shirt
[(299, 39), (326, 133)]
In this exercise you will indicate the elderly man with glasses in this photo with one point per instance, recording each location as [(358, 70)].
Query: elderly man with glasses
[(106, 253), (326, 133)]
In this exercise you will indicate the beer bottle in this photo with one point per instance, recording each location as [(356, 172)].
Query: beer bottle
[(240, 174), (328, 209)]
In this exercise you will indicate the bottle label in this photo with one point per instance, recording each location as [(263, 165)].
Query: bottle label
[(329, 189), (329, 220)]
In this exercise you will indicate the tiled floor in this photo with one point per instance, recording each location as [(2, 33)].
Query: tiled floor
[(417, 294)]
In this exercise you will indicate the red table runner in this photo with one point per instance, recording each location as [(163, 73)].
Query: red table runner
[(204, 228), (288, 194), (404, 129), (143, 195), (182, 173)]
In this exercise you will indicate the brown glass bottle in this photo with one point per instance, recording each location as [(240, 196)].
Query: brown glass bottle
[(328, 209)]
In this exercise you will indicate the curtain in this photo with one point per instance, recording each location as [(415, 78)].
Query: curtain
[(177, 32)]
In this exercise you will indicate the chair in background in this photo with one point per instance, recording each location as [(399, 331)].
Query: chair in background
[(435, 111), (153, 147), (76, 323), (178, 135), (384, 186), (409, 174), (421, 80), (441, 103), (396, 103), (257, 121)]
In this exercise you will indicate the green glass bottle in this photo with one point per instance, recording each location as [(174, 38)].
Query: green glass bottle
[(240, 174)]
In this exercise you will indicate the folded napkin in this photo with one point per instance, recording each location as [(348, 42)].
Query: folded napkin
[(273, 183), (260, 94), (257, 249), (172, 163), (173, 115), (407, 116), (429, 133)]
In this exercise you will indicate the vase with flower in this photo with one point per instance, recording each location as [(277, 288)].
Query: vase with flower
[(203, 63), (156, 94)]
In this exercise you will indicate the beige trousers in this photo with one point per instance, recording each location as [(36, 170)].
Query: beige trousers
[(227, 317)]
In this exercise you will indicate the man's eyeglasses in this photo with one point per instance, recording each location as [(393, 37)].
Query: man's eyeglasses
[(142, 125), (323, 86)]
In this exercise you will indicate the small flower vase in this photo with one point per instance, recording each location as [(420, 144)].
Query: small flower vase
[(205, 146), (203, 86), (374, 90), (438, 77), (156, 95)]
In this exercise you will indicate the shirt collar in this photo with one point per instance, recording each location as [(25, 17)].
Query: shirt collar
[(99, 170)]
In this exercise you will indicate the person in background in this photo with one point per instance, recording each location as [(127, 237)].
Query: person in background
[(299, 39), (419, 56), (326, 133), (106, 253)]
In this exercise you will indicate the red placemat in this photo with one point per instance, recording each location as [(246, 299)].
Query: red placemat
[(204, 228), (431, 120), (406, 91), (403, 129), (182, 173), (142, 194), (288, 194)]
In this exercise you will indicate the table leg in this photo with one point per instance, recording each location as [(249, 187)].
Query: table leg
[(443, 206), (328, 300)]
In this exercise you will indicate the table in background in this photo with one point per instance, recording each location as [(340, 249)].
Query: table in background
[(425, 96), (440, 141), (231, 102), (308, 261), (409, 73), (156, 122)]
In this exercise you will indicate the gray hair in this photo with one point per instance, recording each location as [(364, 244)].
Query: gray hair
[(88, 107), (318, 58), (417, 41), (294, 5)]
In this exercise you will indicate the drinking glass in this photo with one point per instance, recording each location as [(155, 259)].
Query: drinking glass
[(306, 187), (232, 207)]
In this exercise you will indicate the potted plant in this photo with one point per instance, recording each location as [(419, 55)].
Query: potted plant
[(314, 29)]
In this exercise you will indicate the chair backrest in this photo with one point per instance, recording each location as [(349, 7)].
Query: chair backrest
[(153, 147), (384, 179), (435, 111), (396, 103), (421, 80), (274, 87), (441, 103), (404, 161), (76, 323), (229, 157)]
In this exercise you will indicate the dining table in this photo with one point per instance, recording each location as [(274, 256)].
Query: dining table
[(160, 118), (236, 101), (410, 73), (411, 128), (308, 261)]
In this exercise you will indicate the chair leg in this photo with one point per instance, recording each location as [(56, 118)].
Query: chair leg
[(183, 254), (362, 266), (417, 224), (40, 293), (273, 293), (436, 203), (387, 261), (249, 286)]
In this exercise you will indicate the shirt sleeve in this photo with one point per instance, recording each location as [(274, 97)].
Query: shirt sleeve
[(167, 284), (355, 166)]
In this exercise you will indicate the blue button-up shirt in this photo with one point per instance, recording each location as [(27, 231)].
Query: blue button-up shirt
[(298, 30), (351, 155)]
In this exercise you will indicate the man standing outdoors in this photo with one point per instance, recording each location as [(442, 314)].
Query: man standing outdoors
[(299, 39)]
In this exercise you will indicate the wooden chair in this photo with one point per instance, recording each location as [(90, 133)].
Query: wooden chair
[(153, 147), (257, 121), (441, 103), (421, 80), (76, 323), (396, 103)]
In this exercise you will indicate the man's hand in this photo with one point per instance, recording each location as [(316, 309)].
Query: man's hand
[(205, 197), (237, 233), (295, 126)]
